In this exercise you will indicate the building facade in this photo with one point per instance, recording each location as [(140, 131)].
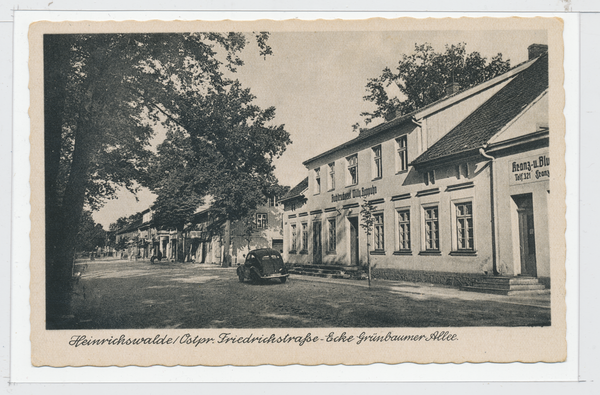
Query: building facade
[(459, 188)]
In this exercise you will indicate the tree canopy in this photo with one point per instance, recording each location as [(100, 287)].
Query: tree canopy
[(422, 78), (222, 147)]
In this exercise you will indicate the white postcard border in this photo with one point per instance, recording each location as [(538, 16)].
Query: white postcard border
[(23, 371)]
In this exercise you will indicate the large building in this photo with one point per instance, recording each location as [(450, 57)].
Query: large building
[(459, 188)]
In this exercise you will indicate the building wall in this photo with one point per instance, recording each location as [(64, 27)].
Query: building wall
[(537, 187), (402, 190)]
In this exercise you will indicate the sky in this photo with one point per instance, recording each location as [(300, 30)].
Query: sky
[(316, 81)]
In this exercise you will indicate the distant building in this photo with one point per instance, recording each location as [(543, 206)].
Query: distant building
[(460, 188), (262, 229)]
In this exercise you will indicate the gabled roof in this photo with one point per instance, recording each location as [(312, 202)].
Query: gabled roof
[(426, 110), (489, 118), (296, 191)]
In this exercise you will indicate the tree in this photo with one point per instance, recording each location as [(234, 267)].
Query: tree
[(422, 78), (91, 235), (102, 95), (367, 220), (222, 147)]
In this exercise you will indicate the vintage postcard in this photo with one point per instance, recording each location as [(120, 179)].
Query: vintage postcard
[(297, 192)]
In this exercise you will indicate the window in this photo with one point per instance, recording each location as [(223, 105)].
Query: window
[(462, 171), (293, 238), (432, 232), (261, 221), (378, 232), (332, 176), (404, 230), (429, 177), (377, 169), (271, 201), (464, 226), (331, 239), (317, 180), (402, 158), (304, 236), (352, 178)]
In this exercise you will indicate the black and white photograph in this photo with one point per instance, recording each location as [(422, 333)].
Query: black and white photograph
[(362, 186)]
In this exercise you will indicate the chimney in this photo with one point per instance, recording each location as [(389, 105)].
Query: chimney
[(452, 88), (536, 50)]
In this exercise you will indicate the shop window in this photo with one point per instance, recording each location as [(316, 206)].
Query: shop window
[(293, 239), (403, 230), (304, 240), (317, 180), (378, 232), (429, 177), (377, 166), (332, 236), (432, 229), (352, 176), (402, 158), (332, 176), (261, 221), (464, 226)]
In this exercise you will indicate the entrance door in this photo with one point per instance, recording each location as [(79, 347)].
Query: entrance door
[(526, 234), (277, 245), (353, 240), (317, 247)]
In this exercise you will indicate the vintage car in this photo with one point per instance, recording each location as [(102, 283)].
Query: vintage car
[(262, 264)]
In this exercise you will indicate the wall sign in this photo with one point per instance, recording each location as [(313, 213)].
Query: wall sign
[(529, 170), (354, 193)]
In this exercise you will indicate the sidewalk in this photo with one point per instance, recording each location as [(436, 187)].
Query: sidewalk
[(425, 291)]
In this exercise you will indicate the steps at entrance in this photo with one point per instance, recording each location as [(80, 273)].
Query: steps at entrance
[(327, 271), (508, 286)]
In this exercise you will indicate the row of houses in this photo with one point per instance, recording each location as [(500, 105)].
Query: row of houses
[(200, 241), (459, 188)]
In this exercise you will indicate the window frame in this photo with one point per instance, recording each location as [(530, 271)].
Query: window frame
[(425, 239), (377, 171), (456, 249), (293, 238), (401, 154), (462, 171), (317, 180), (259, 224), (349, 180), (407, 245), (304, 238), (331, 168), (381, 226), (429, 177), (331, 241)]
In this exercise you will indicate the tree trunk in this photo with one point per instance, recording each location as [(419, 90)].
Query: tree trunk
[(227, 244)]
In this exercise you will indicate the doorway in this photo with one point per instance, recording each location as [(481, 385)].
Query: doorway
[(353, 222), (526, 231), (317, 246)]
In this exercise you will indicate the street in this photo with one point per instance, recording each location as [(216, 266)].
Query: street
[(120, 294)]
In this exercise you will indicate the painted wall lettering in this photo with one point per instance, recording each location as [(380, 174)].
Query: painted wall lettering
[(529, 170)]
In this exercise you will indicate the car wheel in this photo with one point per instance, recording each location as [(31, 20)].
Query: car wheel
[(254, 277), (283, 280)]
